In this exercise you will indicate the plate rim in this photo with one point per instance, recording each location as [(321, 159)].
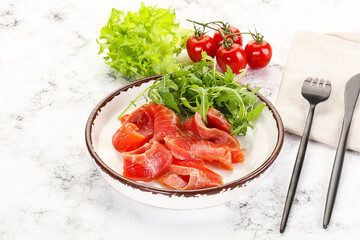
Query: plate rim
[(169, 192)]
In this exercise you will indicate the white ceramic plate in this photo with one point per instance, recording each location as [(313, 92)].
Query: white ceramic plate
[(263, 144)]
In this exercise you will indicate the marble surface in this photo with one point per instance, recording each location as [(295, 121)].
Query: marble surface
[(51, 77)]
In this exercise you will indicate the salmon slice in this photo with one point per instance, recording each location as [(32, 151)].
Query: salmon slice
[(187, 146), (216, 120), (214, 135), (124, 118), (189, 162), (166, 123), (137, 129), (190, 175), (211, 175), (147, 162), (143, 118), (127, 138)]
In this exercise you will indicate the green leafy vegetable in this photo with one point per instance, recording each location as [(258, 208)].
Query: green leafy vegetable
[(196, 88), (143, 43)]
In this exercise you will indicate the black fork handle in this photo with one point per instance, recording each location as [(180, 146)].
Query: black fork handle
[(297, 168)]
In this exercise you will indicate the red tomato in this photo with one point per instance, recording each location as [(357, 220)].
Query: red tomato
[(235, 57), (258, 54), (237, 39), (195, 46)]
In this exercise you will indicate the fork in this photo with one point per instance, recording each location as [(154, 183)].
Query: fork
[(314, 91)]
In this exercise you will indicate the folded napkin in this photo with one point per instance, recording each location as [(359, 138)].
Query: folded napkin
[(334, 57)]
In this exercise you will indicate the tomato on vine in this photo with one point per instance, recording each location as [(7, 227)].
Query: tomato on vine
[(200, 42), (228, 30), (234, 57), (258, 51), (258, 54), (195, 46)]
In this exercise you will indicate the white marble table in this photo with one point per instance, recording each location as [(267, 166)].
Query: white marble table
[(51, 77)]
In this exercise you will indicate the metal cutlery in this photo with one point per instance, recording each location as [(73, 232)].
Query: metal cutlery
[(352, 90), (315, 91)]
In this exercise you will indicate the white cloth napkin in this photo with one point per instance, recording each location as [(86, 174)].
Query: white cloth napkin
[(334, 57)]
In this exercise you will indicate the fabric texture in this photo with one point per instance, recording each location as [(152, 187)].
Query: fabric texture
[(334, 57)]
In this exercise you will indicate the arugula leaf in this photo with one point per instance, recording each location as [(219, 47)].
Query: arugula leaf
[(202, 101), (143, 43), (241, 126), (162, 93), (196, 88)]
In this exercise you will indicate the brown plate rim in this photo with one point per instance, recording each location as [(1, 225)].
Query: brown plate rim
[(186, 193)]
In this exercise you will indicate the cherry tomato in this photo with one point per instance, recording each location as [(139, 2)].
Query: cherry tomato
[(235, 57), (258, 54), (195, 46), (237, 39)]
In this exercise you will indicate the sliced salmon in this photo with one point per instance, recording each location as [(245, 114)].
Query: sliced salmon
[(147, 162), (211, 175), (190, 175), (217, 136), (124, 118), (166, 123), (188, 146), (189, 162), (137, 129), (143, 118), (216, 120), (127, 138), (155, 145)]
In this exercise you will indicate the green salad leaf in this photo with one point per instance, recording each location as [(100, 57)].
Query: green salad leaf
[(143, 43), (196, 88)]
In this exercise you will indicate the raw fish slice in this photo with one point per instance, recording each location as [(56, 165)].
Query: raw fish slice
[(137, 129), (173, 181), (143, 118), (127, 138), (140, 150), (190, 177), (124, 118), (217, 136), (146, 163), (211, 175), (216, 120), (166, 123), (189, 162), (188, 146)]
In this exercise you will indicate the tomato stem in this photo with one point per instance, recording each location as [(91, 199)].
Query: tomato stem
[(202, 24), (258, 37), (223, 29), (198, 33)]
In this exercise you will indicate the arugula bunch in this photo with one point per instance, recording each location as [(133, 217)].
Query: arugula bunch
[(143, 43), (196, 88)]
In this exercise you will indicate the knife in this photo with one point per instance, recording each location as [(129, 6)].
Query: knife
[(352, 90)]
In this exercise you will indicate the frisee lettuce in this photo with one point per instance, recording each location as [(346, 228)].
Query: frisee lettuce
[(196, 88), (143, 43)]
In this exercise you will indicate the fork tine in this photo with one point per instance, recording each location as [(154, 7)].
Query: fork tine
[(322, 83), (308, 80), (315, 81), (328, 85)]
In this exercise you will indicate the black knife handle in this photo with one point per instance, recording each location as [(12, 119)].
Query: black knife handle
[(336, 172)]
